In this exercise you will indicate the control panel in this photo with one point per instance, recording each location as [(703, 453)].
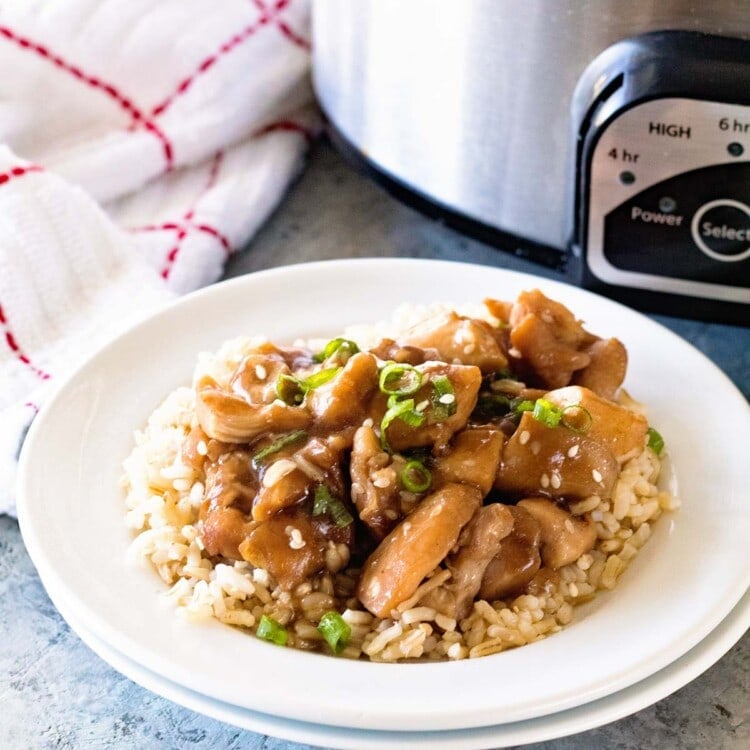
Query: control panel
[(662, 200), (669, 205)]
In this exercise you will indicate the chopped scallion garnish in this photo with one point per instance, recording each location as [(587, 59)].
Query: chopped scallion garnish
[(320, 378), (335, 630), (340, 515), (546, 412), (520, 405), (577, 418), (325, 502), (403, 410), (415, 477), (270, 630), (292, 391), (322, 498), (490, 405), (400, 379), (443, 398), (344, 348), (278, 444), (655, 441)]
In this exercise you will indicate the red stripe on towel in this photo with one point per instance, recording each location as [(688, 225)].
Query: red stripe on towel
[(10, 340), (288, 126), (187, 223), (18, 172), (92, 81), (224, 49)]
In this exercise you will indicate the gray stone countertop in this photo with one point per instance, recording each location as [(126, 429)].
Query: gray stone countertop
[(55, 693)]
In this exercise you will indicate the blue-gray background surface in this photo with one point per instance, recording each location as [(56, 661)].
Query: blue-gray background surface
[(55, 693)]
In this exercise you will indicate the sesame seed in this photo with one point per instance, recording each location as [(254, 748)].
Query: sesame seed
[(569, 525), (295, 537), (390, 514), (544, 481), (555, 480), (406, 526), (536, 446), (201, 448), (596, 475), (573, 589), (573, 451), (447, 398), (368, 422), (278, 470), (260, 372), (523, 438), (469, 348), (381, 481), (422, 405)]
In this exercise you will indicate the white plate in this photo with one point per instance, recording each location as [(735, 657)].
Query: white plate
[(685, 581), (561, 724)]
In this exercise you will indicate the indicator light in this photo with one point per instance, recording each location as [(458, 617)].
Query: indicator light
[(735, 149)]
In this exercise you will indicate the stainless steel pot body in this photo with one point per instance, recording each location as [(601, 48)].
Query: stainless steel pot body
[(469, 103)]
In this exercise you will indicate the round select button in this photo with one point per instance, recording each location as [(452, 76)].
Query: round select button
[(721, 230)]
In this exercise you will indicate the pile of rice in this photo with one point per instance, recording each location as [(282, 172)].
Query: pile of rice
[(164, 498)]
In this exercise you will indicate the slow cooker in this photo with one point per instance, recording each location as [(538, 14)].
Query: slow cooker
[(607, 139)]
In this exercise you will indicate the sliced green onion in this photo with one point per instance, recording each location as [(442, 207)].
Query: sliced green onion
[(278, 444), (325, 502), (320, 378), (335, 631), (340, 515), (403, 410), (399, 379), (504, 374), (270, 630), (322, 498), (655, 441), (577, 418), (546, 412), (337, 346), (415, 476), (520, 405), (491, 405), (290, 390), (443, 398), (411, 416)]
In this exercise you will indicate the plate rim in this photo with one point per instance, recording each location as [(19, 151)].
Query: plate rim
[(658, 686)]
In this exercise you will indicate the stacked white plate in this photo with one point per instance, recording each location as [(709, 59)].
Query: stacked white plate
[(679, 606)]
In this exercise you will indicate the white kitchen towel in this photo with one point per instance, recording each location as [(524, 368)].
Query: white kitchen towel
[(144, 141)]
